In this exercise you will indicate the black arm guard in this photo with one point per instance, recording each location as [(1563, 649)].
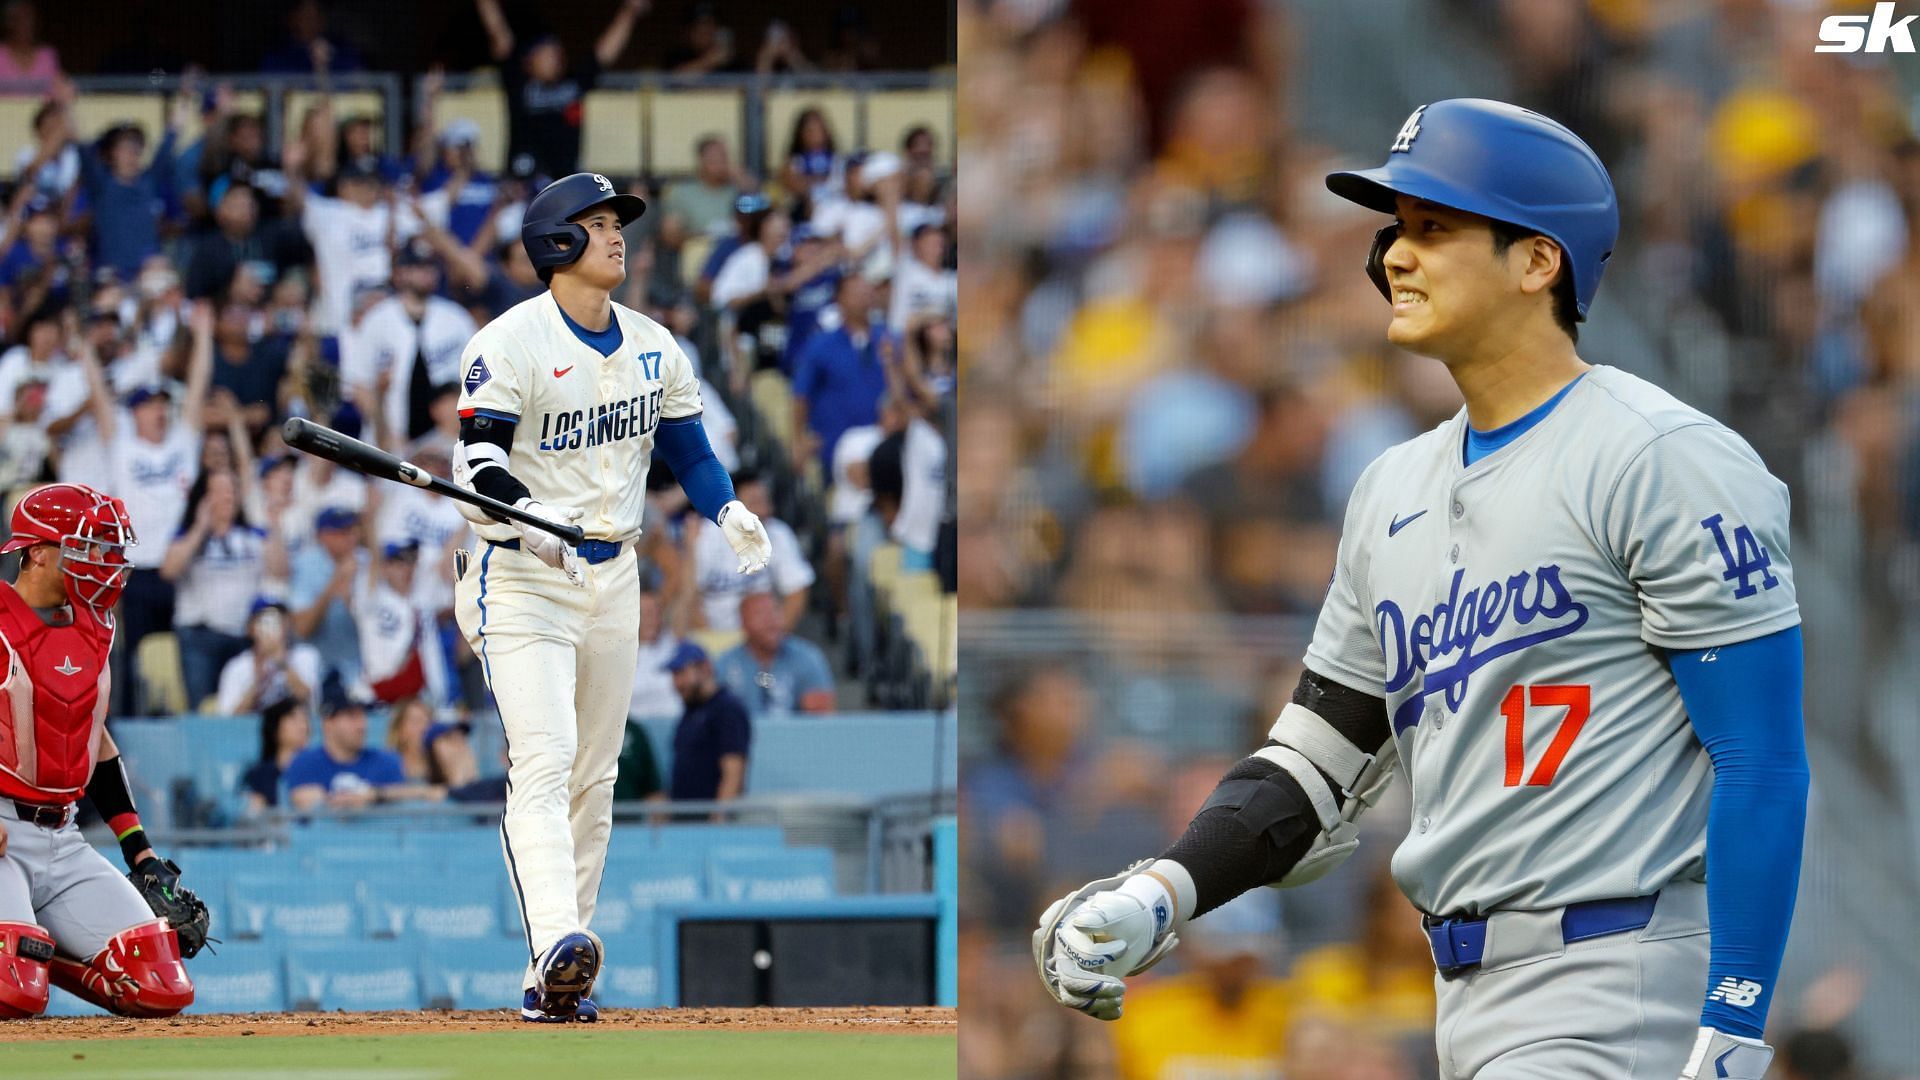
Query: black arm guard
[(1259, 821), (495, 482)]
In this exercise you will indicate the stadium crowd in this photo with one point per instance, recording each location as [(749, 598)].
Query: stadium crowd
[(168, 297), (1176, 371)]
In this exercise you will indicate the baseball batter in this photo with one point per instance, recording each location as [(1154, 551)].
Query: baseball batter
[(1567, 616), (563, 400), (65, 914)]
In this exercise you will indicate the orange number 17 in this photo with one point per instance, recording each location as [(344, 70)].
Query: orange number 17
[(1578, 701)]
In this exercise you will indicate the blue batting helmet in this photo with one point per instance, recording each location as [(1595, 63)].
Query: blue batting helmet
[(549, 234), (1499, 161)]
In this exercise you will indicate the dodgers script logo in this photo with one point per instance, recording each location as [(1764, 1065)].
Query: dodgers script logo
[(1464, 622)]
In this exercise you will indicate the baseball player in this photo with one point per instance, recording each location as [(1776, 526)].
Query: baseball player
[(65, 913), (1567, 616), (563, 400)]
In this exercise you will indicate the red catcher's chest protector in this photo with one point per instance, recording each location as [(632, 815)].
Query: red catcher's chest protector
[(53, 701)]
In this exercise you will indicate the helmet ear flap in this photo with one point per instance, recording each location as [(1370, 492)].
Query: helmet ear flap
[(1377, 258)]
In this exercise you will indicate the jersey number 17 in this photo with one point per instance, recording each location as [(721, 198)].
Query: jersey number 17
[(1577, 700)]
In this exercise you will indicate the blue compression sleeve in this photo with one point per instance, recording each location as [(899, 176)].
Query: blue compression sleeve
[(683, 443), (1744, 701)]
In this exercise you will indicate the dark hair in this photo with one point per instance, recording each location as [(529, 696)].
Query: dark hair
[(1566, 302), (913, 133), (710, 139), (270, 718), (794, 147), (47, 108)]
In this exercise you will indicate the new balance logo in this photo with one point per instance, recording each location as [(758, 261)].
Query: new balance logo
[(1742, 993), (1876, 33)]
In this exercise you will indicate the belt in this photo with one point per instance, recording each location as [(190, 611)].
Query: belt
[(1459, 943), (47, 817), (594, 551)]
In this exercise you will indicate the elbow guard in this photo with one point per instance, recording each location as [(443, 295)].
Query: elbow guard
[(1285, 815), (480, 465)]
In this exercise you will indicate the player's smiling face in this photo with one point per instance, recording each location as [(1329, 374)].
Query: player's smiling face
[(1449, 286), (604, 265)]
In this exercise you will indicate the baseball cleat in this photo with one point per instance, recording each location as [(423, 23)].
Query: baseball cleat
[(586, 1012), (566, 978)]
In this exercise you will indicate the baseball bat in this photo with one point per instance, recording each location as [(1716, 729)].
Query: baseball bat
[(304, 435)]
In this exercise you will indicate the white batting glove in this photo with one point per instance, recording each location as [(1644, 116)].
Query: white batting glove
[(746, 535), (1088, 940), (1717, 1054), (547, 547)]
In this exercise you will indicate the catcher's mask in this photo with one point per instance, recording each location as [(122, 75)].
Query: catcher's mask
[(93, 532)]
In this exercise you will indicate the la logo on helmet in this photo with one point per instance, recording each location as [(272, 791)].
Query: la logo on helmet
[(605, 184), (1409, 131)]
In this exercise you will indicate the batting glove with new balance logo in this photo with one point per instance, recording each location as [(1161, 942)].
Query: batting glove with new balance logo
[(547, 547), (746, 536), (1720, 1056)]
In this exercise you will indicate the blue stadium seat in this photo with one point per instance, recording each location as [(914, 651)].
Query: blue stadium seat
[(693, 838), (284, 907), (356, 977), (652, 879), (792, 874), (246, 977), (615, 913), (430, 909), (480, 975), (632, 976)]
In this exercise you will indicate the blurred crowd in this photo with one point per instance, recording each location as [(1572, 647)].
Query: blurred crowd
[(168, 297), (1178, 369)]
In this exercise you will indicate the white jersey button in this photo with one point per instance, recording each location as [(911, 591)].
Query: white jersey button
[(1459, 509), (1454, 555), (1424, 822)]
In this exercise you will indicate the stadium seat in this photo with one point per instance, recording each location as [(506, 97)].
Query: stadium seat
[(460, 975), (612, 137), (773, 399), (356, 977), (651, 879), (883, 569), (717, 641), (246, 977), (699, 838), (694, 252), (782, 107), (285, 907), (93, 114), (793, 874), (893, 113), (346, 103), (486, 106), (430, 907), (677, 119), (162, 691)]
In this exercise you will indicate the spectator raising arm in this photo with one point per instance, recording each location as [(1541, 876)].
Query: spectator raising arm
[(613, 40), (193, 411), (499, 34)]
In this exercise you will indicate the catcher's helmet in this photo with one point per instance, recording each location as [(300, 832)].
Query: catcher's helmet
[(548, 223), (93, 531), (1502, 162)]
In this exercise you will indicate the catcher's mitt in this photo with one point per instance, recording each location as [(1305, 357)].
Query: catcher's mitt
[(159, 883)]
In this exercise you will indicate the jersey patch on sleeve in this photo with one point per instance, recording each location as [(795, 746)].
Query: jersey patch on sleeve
[(477, 374), (1744, 557)]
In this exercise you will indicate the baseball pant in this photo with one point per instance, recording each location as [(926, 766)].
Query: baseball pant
[(1621, 1007), (53, 877), (559, 659)]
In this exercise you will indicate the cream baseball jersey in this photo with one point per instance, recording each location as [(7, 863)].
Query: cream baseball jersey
[(584, 423), (1515, 614)]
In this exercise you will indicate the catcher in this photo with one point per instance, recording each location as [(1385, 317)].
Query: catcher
[(65, 914)]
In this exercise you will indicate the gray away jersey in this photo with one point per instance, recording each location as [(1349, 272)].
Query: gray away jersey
[(1514, 611)]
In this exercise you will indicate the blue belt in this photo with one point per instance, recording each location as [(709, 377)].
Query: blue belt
[(1459, 943), (594, 551)]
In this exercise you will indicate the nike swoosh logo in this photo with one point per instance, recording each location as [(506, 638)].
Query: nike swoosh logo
[(560, 371), (1710, 656), (1401, 523)]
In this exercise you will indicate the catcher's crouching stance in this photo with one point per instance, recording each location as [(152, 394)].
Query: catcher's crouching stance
[(66, 916)]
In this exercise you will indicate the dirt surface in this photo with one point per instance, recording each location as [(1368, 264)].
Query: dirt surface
[(908, 1021)]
